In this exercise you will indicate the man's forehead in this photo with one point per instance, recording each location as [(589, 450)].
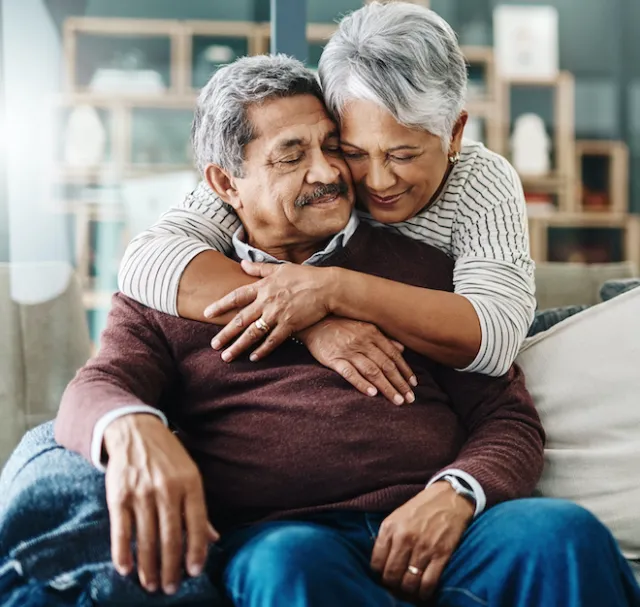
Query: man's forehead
[(291, 121)]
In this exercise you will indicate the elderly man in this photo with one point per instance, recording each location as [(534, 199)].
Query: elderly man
[(315, 493)]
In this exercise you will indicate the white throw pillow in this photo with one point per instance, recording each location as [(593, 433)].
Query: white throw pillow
[(584, 376)]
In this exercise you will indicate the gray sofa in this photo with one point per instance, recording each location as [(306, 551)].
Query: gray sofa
[(42, 344)]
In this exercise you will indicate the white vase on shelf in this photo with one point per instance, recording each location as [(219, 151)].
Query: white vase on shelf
[(530, 146), (85, 138)]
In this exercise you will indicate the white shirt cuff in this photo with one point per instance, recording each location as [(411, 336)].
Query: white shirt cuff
[(97, 437), (478, 492)]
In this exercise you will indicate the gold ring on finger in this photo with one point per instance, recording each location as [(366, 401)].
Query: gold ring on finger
[(261, 325)]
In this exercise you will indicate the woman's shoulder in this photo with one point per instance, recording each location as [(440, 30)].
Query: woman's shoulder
[(481, 170)]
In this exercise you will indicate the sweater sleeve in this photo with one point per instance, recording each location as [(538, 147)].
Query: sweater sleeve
[(504, 449), (493, 268), (154, 261), (133, 368)]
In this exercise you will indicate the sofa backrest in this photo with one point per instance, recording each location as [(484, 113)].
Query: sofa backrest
[(573, 284), (42, 344)]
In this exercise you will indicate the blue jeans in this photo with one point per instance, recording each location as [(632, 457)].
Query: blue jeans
[(533, 552), (54, 552), (54, 536)]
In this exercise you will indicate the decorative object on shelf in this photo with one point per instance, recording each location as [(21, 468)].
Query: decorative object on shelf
[(526, 41), (595, 200), (530, 146), (211, 59), (127, 74), (85, 138)]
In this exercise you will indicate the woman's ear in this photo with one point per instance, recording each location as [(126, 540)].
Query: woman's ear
[(458, 131), (223, 184)]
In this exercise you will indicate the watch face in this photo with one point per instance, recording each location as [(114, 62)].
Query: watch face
[(460, 488)]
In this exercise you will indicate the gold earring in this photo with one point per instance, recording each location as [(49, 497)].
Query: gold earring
[(454, 158)]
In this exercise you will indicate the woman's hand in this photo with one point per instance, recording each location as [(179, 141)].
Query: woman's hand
[(363, 355), (420, 536), (288, 299)]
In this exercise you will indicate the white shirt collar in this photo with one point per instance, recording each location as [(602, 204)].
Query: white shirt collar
[(245, 251)]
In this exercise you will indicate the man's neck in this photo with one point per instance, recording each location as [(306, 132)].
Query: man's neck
[(293, 253)]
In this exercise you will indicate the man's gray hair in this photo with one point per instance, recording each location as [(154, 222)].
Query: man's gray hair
[(221, 127), (401, 56)]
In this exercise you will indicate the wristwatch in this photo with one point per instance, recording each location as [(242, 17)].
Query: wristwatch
[(460, 487)]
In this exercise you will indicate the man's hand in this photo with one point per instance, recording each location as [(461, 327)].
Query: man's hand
[(289, 298), (363, 355), (154, 486), (421, 534)]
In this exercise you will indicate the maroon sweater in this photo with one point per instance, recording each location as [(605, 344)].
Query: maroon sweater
[(287, 435)]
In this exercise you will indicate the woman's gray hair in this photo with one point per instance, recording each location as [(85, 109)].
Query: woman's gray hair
[(221, 128), (401, 56)]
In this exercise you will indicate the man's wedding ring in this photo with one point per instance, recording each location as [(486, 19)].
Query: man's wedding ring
[(261, 325), (414, 570)]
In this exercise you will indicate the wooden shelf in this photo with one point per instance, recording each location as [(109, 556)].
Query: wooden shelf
[(481, 107), (94, 211), (105, 100), (109, 173), (138, 170), (585, 219), (231, 29), (541, 82), (617, 153), (115, 26), (543, 184), (630, 224), (97, 300)]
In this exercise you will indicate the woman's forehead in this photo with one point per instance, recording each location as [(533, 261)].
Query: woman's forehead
[(365, 123)]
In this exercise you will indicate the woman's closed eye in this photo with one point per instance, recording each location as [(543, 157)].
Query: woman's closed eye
[(353, 155), (402, 158), (332, 149)]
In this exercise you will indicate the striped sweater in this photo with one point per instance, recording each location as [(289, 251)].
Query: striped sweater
[(479, 220)]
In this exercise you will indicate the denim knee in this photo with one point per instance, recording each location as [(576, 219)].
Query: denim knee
[(536, 525), (282, 554)]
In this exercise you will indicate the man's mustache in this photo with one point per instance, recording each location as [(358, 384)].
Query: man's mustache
[(329, 189)]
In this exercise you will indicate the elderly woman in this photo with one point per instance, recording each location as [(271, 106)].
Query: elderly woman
[(394, 78)]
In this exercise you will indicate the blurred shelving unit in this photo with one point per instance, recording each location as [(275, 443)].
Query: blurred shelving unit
[(564, 228), (560, 183), (191, 50), (485, 102), (99, 226), (602, 175)]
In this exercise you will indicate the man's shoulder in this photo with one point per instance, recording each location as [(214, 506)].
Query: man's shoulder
[(124, 306)]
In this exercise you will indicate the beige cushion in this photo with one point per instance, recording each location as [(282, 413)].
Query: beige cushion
[(584, 376), (569, 284)]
